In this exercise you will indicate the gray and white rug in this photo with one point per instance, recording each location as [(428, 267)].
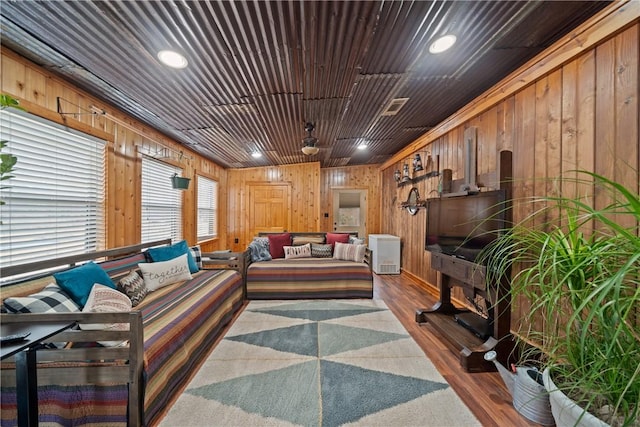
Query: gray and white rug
[(318, 363)]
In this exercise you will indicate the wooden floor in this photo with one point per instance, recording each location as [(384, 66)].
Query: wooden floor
[(484, 393)]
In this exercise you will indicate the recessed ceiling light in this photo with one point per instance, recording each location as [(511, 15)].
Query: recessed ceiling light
[(256, 155), (442, 44), (362, 146), (172, 59)]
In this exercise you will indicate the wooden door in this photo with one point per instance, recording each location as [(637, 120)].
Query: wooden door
[(269, 208)]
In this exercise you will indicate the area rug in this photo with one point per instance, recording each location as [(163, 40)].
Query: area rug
[(318, 363)]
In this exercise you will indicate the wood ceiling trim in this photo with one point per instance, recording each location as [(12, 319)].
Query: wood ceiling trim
[(612, 19)]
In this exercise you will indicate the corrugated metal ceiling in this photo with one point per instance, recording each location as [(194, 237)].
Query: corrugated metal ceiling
[(258, 70)]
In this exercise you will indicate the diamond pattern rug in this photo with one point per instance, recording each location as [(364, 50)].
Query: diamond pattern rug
[(318, 363)]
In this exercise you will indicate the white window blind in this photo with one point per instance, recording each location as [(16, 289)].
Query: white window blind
[(161, 204), (54, 204), (207, 208)]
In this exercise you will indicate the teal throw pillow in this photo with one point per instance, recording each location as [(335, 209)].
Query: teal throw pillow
[(78, 281), (167, 253)]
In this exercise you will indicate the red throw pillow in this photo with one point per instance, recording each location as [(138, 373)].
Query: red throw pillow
[(277, 242), (332, 238)]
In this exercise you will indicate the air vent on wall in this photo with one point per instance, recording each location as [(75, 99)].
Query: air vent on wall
[(394, 106)]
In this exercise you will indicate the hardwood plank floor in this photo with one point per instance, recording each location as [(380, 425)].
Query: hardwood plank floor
[(484, 393)]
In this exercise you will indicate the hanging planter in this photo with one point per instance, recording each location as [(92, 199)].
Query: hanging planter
[(180, 183)]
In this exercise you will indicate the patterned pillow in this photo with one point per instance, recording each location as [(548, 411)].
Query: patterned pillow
[(321, 251), (303, 251), (347, 252), (51, 299), (133, 286), (259, 249), (355, 240), (103, 299), (196, 254), (159, 274)]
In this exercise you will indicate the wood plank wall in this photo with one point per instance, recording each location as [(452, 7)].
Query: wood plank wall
[(38, 91), (351, 177), (304, 179), (311, 196), (583, 114)]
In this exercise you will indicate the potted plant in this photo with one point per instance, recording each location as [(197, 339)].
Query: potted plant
[(7, 160), (577, 266), (179, 183)]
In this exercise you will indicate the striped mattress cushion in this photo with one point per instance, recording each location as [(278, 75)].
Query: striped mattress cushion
[(309, 278)]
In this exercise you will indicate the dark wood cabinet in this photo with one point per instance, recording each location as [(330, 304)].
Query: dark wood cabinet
[(464, 331)]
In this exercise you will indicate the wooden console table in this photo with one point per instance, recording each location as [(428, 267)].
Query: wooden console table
[(471, 277)]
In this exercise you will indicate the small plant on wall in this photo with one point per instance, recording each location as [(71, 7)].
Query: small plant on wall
[(7, 160)]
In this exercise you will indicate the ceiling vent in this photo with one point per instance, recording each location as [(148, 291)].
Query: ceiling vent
[(394, 106)]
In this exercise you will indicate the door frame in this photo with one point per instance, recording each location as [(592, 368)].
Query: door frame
[(364, 193)]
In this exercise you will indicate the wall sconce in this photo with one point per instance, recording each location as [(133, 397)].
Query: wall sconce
[(417, 163), (405, 173), (396, 175)]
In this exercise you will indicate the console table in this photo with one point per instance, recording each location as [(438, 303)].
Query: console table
[(25, 359), (471, 278)]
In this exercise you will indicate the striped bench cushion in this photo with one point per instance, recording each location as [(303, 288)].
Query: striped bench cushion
[(309, 278)]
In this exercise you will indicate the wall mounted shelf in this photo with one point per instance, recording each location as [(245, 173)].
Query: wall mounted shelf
[(418, 178)]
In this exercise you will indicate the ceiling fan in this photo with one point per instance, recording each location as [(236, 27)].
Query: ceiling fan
[(309, 142)]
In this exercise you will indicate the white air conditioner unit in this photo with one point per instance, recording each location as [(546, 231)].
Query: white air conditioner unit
[(386, 253)]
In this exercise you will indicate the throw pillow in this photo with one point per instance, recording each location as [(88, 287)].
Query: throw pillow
[(103, 299), (303, 251), (348, 252), (133, 286), (164, 273), (355, 240), (303, 240), (277, 242), (259, 249), (321, 251), (332, 238), (78, 281), (196, 254), (166, 253), (51, 299)]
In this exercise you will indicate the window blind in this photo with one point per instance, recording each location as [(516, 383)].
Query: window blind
[(161, 204), (207, 208), (54, 204)]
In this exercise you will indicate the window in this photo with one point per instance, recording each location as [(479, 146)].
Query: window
[(161, 204), (54, 204), (207, 208)]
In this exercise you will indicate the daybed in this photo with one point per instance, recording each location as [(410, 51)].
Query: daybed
[(319, 275), (169, 333)]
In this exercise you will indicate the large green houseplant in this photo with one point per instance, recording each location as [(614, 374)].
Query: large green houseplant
[(575, 264)]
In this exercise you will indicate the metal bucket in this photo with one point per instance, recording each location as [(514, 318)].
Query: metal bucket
[(530, 397)]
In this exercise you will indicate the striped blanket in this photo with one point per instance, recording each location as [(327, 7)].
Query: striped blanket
[(181, 322), (309, 278)]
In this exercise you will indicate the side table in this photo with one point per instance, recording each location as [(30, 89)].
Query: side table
[(25, 358)]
